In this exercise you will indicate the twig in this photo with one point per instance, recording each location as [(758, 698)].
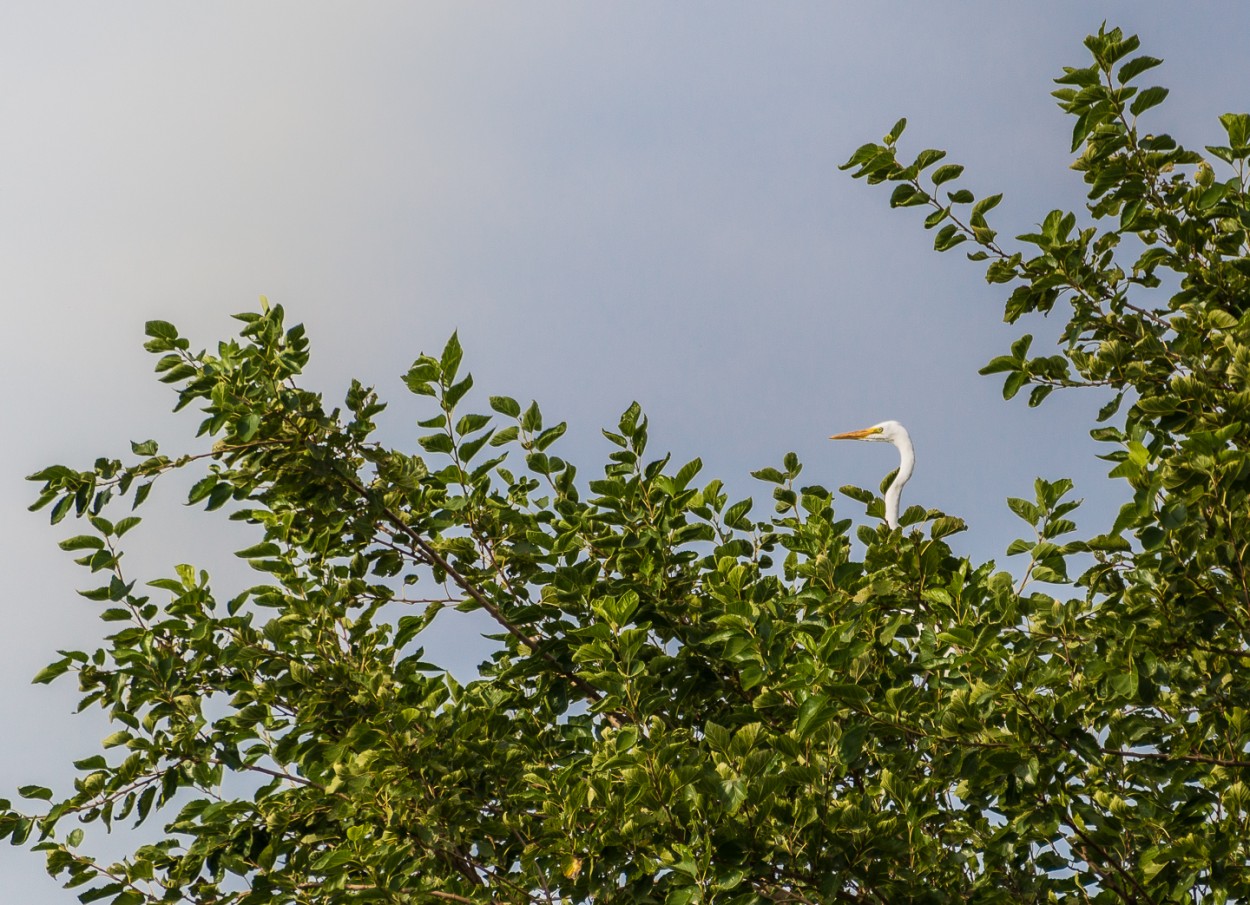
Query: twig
[(1114, 864), (1164, 756), (434, 558)]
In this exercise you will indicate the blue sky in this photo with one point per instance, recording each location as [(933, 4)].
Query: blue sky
[(610, 202)]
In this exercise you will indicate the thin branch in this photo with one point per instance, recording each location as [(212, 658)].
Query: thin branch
[(1168, 758), (368, 887), (277, 774), (449, 896), (434, 558), (146, 780), (1115, 865)]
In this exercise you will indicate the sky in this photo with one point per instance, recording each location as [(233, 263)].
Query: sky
[(609, 202)]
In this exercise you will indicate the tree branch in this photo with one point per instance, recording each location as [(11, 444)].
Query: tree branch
[(433, 558)]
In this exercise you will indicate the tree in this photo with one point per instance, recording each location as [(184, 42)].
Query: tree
[(688, 703)]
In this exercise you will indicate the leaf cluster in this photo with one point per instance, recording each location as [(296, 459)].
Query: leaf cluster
[(1153, 277), (688, 701)]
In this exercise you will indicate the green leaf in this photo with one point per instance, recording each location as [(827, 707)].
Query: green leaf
[(1148, 98), (436, 443), (218, 496), (1174, 515), (456, 391), (1000, 364), (179, 372), (852, 694), (1124, 682), (1211, 196), (1108, 410), (117, 738), (125, 524), (61, 508), (246, 428), (858, 494), (946, 173), (549, 436), (851, 744), (505, 405), (1013, 383), (201, 489), (1026, 510), (263, 550), (948, 237), (771, 475), (421, 376), (99, 892), (1039, 393), (408, 628), (333, 859), (1237, 125), (989, 202), (82, 542), (38, 793), (141, 494), (51, 671), (470, 448), (532, 420), (945, 526), (470, 423), (862, 155), (1136, 67), (957, 636), (507, 435), (735, 515), (160, 330), (449, 361), (905, 195), (1152, 538), (816, 711), (1084, 77)]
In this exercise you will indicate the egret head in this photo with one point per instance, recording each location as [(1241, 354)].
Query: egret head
[(887, 431)]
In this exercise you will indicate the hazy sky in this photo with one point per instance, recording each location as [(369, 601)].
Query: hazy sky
[(610, 202)]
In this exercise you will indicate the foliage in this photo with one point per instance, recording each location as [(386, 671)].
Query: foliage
[(688, 703), (1139, 690)]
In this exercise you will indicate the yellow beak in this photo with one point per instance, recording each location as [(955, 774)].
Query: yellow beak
[(856, 435)]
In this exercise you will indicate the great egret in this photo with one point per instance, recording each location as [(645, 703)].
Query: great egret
[(889, 432)]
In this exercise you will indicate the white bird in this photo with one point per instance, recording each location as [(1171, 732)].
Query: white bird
[(889, 432)]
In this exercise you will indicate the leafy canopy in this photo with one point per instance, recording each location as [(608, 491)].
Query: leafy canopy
[(688, 701)]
